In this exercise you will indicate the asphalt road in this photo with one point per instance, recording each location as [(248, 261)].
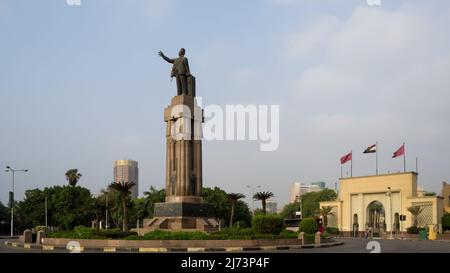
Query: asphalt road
[(351, 245)]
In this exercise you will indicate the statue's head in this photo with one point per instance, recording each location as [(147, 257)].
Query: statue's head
[(181, 52)]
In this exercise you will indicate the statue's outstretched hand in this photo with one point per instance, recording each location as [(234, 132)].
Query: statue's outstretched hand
[(161, 54)]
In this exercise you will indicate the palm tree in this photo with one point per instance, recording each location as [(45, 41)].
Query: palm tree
[(415, 211), (376, 209), (234, 197), (263, 196), (123, 187), (73, 176), (325, 212)]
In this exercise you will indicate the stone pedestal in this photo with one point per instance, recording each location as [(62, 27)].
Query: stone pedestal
[(184, 208)]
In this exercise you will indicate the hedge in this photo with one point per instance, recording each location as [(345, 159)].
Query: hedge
[(268, 224), (308, 226)]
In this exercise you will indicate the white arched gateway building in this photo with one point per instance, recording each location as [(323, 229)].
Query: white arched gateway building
[(378, 202)]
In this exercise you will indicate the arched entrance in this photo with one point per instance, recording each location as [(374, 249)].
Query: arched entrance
[(376, 217)]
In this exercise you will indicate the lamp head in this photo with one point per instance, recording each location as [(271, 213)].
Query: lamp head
[(8, 167)]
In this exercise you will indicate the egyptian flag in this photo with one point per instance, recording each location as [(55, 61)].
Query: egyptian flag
[(371, 149), (399, 152), (346, 158)]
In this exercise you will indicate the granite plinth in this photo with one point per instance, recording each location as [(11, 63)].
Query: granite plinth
[(183, 209)]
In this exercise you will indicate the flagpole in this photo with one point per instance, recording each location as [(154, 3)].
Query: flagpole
[(376, 158), (417, 165), (404, 158), (351, 165)]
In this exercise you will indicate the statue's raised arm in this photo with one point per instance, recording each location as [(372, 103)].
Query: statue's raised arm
[(181, 71), (160, 53)]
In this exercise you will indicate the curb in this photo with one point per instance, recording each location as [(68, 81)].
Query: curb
[(164, 249)]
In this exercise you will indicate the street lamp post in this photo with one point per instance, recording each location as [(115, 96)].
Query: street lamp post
[(46, 214), (106, 210), (253, 193), (9, 169), (3, 223)]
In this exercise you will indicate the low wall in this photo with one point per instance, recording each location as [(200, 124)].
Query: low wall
[(171, 243)]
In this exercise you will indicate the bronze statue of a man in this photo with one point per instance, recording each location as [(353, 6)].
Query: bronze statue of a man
[(180, 70)]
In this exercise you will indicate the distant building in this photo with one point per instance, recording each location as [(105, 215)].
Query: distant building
[(317, 186), (127, 170), (446, 195), (298, 189), (271, 206)]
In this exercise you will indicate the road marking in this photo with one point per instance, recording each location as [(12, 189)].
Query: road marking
[(47, 247), (195, 249), (152, 249), (233, 249), (109, 249)]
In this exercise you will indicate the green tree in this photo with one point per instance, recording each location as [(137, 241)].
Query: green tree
[(69, 206), (136, 210), (263, 196), (31, 211), (428, 193), (124, 188), (289, 210), (73, 176), (150, 198), (234, 197), (242, 215), (4, 212), (218, 199), (415, 211), (325, 212), (310, 201)]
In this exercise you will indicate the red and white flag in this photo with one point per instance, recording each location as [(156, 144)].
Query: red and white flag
[(346, 158), (399, 152)]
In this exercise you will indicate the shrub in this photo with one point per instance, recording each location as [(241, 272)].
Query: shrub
[(308, 226), (82, 232), (310, 238), (412, 230), (332, 230), (268, 224), (173, 235), (113, 233), (446, 221)]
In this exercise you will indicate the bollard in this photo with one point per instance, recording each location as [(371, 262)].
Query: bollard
[(27, 236), (432, 235), (301, 236), (317, 238), (40, 235)]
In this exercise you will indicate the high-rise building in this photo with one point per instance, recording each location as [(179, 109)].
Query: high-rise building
[(298, 189), (127, 170)]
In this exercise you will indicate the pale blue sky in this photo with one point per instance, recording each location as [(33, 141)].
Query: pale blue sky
[(82, 86)]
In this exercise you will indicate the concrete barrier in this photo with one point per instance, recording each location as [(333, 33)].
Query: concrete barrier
[(27, 236), (40, 235)]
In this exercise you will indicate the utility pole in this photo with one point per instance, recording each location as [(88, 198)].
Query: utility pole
[(9, 169), (106, 216), (46, 213)]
